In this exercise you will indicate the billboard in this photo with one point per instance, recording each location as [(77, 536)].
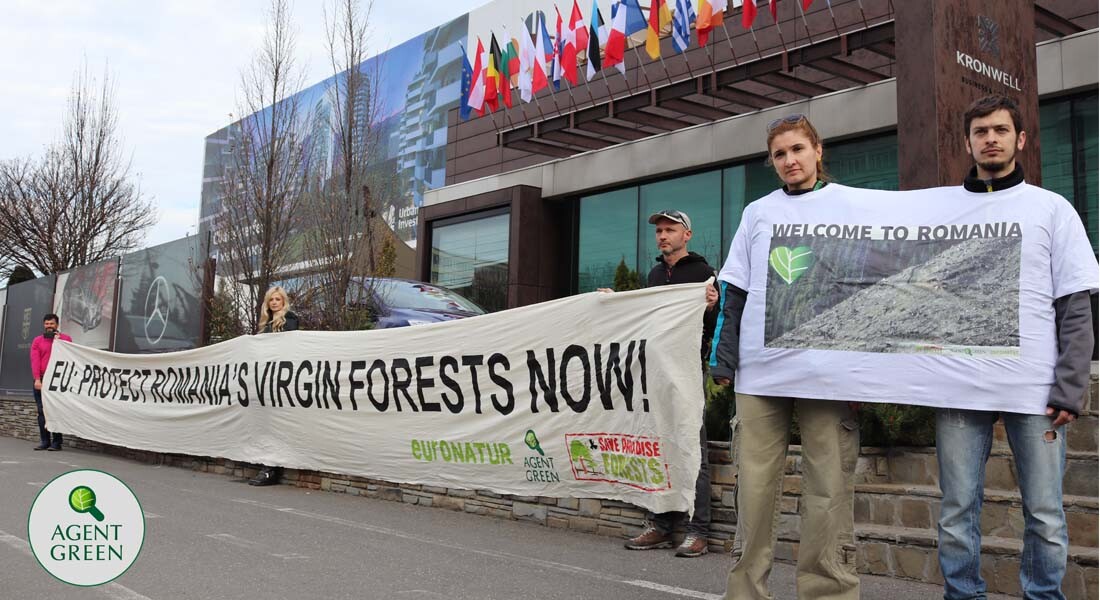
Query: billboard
[(160, 298), (85, 302), (415, 84), (27, 303)]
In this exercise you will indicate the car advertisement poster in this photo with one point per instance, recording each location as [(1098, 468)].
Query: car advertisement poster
[(85, 302), (160, 298)]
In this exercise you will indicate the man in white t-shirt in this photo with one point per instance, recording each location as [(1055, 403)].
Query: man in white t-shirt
[(963, 437)]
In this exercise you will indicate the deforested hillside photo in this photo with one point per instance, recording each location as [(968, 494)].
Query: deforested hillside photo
[(894, 296)]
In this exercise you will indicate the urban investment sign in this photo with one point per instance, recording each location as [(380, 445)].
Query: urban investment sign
[(989, 42), (950, 53)]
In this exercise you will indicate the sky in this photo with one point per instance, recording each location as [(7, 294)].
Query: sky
[(176, 68)]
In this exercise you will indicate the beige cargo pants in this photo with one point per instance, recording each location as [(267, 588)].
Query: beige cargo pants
[(830, 447)]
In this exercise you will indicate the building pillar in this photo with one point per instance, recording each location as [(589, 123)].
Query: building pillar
[(950, 53)]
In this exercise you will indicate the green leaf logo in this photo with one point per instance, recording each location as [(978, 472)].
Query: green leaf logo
[(532, 442), (791, 264), (82, 500)]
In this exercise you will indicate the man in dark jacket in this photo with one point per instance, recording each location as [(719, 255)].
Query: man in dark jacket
[(677, 265)]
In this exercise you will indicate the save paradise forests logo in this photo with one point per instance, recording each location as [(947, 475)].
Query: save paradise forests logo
[(86, 527), (632, 460)]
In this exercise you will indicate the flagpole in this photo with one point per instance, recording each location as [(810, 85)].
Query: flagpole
[(833, 17), (538, 105), (607, 82), (779, 29), (756, 43), (641, 66), (730, 42), (863, 14), (805, 23)]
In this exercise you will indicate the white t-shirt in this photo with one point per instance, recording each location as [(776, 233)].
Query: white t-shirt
[(939, 297)]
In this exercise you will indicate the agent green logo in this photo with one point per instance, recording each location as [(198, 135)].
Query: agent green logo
[(82, 500), (532, 442), (86, 527), (791, 264)]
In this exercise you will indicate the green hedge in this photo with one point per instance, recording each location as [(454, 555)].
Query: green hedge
[(884, 425)]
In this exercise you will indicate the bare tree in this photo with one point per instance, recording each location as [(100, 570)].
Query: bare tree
[(78, 203), (342, 238), (264, 186)]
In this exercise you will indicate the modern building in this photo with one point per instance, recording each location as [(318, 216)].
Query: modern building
[(549, 196), (556, 195)]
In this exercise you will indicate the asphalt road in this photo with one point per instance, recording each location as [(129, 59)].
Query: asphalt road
[(212, 536)]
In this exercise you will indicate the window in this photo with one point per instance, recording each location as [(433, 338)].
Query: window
[(1068, 143), (470, 256), (866, 163), (700, 197), (614, 225), (608, 235)]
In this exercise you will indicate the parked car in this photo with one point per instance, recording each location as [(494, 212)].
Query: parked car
[(404, 302)]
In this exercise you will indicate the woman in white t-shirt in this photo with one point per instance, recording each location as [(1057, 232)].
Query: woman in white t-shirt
[(829, 429)]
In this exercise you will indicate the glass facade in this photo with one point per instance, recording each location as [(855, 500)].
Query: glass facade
[(470, 256), (613, 225), (1068, 139)]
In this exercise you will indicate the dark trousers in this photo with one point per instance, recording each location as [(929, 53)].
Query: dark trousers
[(44, 433), (700, 520)]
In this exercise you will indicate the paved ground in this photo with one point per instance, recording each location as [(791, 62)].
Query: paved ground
[(211, 536)]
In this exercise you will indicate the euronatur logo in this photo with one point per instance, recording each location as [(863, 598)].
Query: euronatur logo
[(86, 527)]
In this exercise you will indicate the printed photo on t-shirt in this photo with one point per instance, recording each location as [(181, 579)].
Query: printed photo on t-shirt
[(948, 290)]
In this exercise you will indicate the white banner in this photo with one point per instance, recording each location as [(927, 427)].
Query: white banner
[(595, 396), (939, 297)]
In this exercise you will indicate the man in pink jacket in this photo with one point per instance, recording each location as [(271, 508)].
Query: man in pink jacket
[(40, 357)]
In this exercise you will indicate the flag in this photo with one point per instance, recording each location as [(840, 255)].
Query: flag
[(569, 53), (467, 77), (512, 55), (532, 67), (543, 42), (476, 98), (615, 50), (495, 84), (773, 5), (748, 13), (504, 65), (681, 26), (594, 65), (806, 4), (576, 25), (711, 13), (559, 48), (659, 18), (635, 18)]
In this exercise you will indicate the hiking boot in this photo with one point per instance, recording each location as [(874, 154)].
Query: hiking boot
[(266, 476), (692, 546), (650, 539)]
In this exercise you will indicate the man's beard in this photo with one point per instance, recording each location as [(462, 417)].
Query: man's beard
[(996, 166)]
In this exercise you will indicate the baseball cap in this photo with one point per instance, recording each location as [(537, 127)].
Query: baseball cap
[(671, 215)]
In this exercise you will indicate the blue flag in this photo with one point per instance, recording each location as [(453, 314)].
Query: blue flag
[(467, 80), (635, 18)]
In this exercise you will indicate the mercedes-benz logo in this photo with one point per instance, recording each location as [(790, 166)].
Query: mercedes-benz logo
[(156, 310)]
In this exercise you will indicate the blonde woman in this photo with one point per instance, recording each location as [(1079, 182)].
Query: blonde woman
[(275, 316)]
